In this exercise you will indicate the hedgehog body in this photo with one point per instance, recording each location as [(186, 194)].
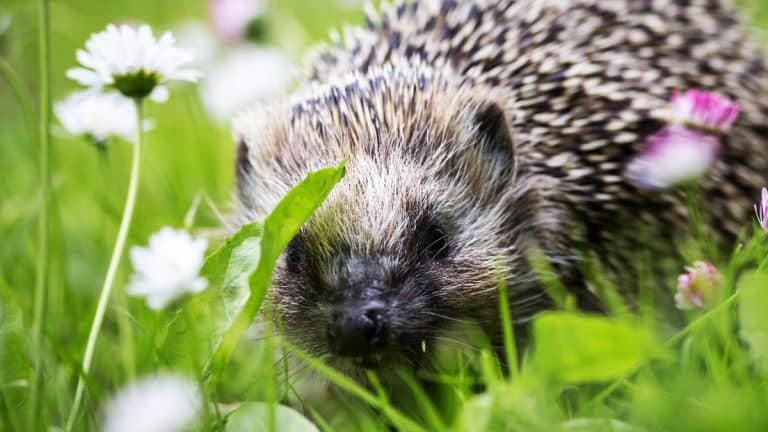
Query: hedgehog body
[(476, 131)]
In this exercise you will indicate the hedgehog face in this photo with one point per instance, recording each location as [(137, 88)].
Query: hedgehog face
[(412, 239), (366, 281), (386, 266)]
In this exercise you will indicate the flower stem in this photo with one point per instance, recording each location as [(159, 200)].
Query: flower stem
[(117, 252), (43, 233)]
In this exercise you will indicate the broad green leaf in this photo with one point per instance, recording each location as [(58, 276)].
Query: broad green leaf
[(230, 266), (254, 417), (574, 348), (753, 320), (278, 230)]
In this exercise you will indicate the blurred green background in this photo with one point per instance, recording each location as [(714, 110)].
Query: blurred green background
[(186, 154)]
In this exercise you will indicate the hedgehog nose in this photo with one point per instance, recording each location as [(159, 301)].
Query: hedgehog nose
[(357, 331)]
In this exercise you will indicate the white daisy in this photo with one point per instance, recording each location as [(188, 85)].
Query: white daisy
[(133, 62), (168, 268), (246, 75), (97, 116), (161, 403)]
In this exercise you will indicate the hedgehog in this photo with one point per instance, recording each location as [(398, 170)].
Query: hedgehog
[(478, 133)]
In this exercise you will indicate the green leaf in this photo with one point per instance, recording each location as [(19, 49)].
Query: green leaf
[(572, 347), (522, 405), (230, 266), (753, 320), (278, 230), (254, 417)]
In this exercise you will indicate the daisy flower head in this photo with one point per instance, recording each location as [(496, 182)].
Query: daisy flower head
[(97, 116), (133, 62), (160, 403), (698, 286), (705, 110), (761, 210), (168, 268)]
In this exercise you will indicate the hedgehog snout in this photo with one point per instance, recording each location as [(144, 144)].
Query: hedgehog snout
[(357, 329)]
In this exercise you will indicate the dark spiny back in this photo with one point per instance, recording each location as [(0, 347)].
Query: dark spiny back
[(587, 82)]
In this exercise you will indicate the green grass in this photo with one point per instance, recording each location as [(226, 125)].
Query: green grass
[(626, 372)]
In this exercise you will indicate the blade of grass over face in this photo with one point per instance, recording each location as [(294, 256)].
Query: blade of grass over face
[(400, 421), (278, 230), (431, 415), (510, 350), (548, 277)]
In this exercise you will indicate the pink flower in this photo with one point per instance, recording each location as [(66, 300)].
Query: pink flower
[(231, 17), (762, 211), (698, 286), (674, 155), (687, 148), (704, 110)]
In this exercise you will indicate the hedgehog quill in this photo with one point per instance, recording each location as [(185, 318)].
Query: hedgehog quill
[(480, 130)]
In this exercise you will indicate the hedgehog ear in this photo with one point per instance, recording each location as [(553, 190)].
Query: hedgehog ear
[(492, 126)]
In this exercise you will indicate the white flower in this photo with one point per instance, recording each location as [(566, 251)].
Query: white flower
[(169, 268), (232, 17), (161, 403), (133, 62), (98, 116), (246, 75)]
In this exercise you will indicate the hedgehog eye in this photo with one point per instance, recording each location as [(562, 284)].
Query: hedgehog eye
[(435, 241), (294, 254)]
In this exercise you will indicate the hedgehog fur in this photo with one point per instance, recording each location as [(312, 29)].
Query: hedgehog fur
[(511, 123)]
